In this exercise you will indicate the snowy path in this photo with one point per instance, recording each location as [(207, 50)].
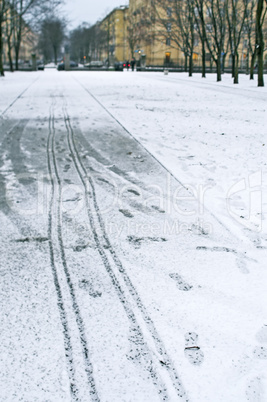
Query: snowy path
[(111, 289)]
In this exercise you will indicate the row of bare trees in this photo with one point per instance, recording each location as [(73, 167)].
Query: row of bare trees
[(89, 43), (17, 19), (216, 26), (51, 37)]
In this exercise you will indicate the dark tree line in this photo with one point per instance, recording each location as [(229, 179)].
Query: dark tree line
[(51, 38), (89, 43)]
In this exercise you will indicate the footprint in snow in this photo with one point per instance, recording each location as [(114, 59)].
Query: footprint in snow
[(255, 390), (158, 209), (192, 351), (260, 352), (126, 213), (88, 286), (181, 284), (66, 168), (133, 192)]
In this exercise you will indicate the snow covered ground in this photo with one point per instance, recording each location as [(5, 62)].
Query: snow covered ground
[(133, 237)]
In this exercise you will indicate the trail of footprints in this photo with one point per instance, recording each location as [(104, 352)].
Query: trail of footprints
[(192, 350)]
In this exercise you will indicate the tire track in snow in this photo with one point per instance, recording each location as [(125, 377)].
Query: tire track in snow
[(110, 258), (62, 312), (56, 181)]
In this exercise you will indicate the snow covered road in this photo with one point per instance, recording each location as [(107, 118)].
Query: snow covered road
[(133, 238)]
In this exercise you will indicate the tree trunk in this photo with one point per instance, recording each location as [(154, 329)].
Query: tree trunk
[(236, 68), (233, 64), (260, 67), (191, 65), (223, 62), (55, 54), (18, 41), (185, 63), (253, 59), (203, 59), (17, 56), (247, 63), (1, 51), (10, 54), (260, 42), (219, 71)]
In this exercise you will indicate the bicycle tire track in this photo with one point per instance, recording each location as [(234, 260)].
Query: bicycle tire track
[(75, 306), (60, 303), (88, 184)]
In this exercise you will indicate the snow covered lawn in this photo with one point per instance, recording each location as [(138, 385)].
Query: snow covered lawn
[(134, 237)]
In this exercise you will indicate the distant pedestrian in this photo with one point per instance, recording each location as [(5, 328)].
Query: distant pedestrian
[(127, 64), (133, 63)]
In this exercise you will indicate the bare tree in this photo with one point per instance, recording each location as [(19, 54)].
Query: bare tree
[(140, 28), (3, 17), (80, 39), (201, 29), (20, 8), (133, 32), (17, 17), (51, 36), (237, 11), (250, 37), (176, 23), (216, 31), (260, 16), (8, 33)]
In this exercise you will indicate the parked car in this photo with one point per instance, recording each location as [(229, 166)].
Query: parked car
[(127, 65), (118, 66), (61, 66), (95, 64), (40, 65)]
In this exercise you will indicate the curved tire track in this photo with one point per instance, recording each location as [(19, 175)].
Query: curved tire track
[(56, 182), (103, 243)]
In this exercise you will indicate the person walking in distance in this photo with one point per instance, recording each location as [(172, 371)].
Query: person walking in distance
[(133, 63)]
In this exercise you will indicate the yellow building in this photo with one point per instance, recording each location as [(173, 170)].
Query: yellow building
[(152, 41), (114, 35), (150, 31), (28, 44)]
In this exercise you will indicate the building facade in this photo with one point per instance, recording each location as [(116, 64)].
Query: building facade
[(165, 33), (114, 35)]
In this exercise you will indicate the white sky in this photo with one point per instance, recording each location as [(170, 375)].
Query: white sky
[(78, 11)]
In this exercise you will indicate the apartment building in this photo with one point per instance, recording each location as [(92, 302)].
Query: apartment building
[(114, 41), (164, 33), (152, 33), (28, 44)]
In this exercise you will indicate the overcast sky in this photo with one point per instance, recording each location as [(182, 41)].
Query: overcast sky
[(78, 11)]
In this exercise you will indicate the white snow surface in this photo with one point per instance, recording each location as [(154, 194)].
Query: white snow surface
[(189, 230)]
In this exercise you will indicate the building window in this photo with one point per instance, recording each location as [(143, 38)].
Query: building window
[(169, 12), (169, 27), (168, 42), (209, 28), (167, 57)]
